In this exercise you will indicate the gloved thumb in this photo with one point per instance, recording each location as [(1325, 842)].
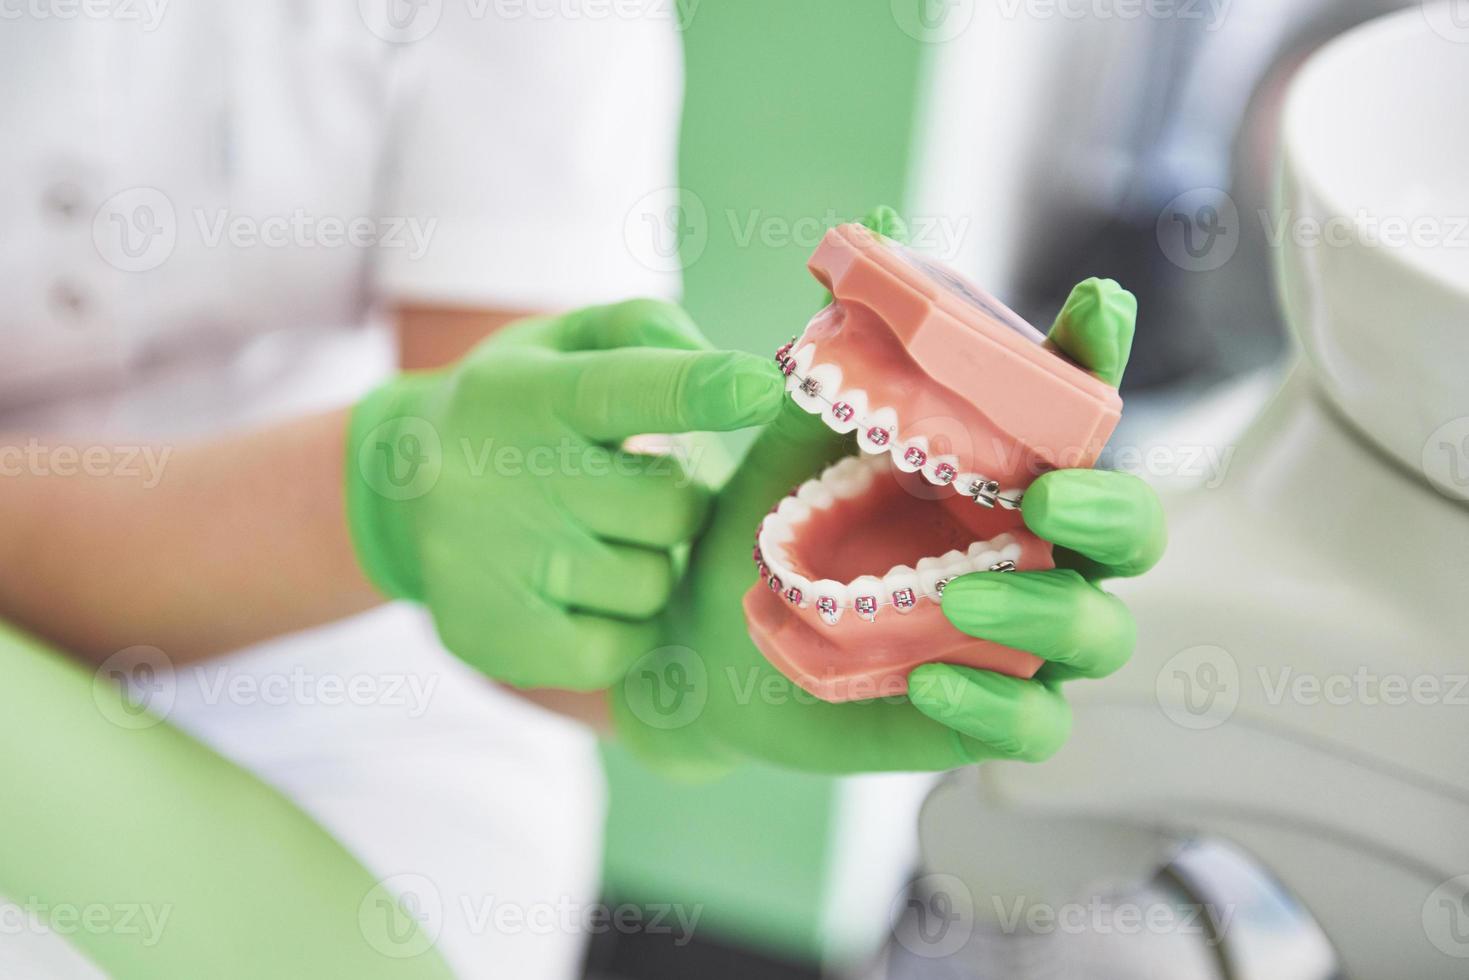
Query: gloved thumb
[(610, 395)]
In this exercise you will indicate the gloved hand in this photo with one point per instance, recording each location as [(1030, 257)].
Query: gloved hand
[(708, 698), (495, 493)]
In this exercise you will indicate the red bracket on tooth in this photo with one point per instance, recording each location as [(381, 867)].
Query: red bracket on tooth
[(878, 436), (915, 456)]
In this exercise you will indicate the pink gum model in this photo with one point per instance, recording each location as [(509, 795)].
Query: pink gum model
[(958, 406)]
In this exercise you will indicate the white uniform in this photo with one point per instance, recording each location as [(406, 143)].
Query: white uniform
[(205, 204)]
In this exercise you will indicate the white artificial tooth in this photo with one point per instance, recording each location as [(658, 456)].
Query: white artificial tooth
[(1002, 540), (911, 454), (1011, 552), (847, 410), (900, 587), (815, 495), (982, 556), (803, 356), (848, 478), (879, 431), (942, 471), (867, 596), (817, 387), (931, 571), (793, 509), (830, 599), (955, 563), (776, 530)]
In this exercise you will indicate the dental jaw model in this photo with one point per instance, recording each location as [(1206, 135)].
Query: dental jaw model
[(956, 405)]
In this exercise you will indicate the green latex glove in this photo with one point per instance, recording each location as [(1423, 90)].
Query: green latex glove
[(495, 493), (708, 698)]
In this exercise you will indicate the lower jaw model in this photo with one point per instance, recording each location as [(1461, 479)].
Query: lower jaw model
[(955, 407)]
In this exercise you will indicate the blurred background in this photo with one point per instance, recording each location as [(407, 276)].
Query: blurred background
[(1030, 144)]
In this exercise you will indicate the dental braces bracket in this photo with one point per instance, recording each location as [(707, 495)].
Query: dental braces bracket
[(984, 492), (866, 606)]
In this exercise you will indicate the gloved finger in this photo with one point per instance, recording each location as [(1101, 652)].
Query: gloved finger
[(643, 500), (601, 650), (607, 578), (536, 642), (1113, 521), (1008, 717), (610, 395), (1095, 328), (1056, 615), (632, 323)]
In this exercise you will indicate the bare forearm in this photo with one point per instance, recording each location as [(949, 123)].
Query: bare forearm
[(219, 545)]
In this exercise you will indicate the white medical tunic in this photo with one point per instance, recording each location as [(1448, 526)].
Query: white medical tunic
[(206, 206)]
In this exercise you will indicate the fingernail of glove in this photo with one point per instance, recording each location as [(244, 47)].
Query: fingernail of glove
[(749, 388)]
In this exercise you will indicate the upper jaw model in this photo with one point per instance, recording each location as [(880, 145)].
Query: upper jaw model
[(956, 406)]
